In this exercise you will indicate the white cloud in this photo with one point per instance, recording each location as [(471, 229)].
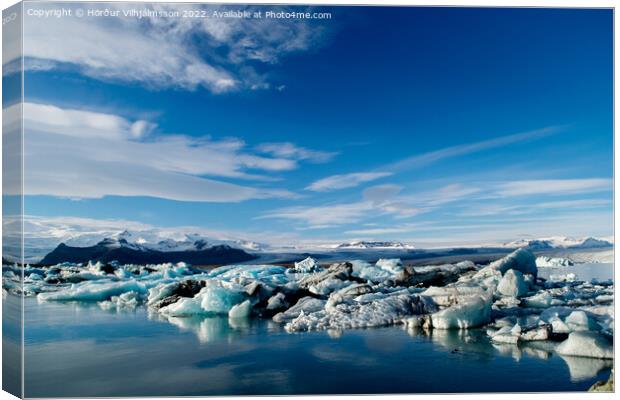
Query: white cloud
[(217, 54), (554, 186), (82, 123), (379, 200), (344, 181), (324, 216), (85, 154), (290, 150)]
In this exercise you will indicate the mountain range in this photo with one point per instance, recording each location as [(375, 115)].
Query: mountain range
[(124, 252), (560, 242), (169, 245)]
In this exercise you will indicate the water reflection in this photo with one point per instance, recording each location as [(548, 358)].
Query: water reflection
[(457, 341), (208, 328), (476, 342), (582, 368), (142, 353)]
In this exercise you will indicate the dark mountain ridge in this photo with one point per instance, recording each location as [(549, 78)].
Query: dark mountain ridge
[(124, 253)]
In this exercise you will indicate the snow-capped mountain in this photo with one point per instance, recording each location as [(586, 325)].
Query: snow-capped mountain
[(374, 245), (150, 241), (560, 242), (156, 241), (42, 235), (124, 252)]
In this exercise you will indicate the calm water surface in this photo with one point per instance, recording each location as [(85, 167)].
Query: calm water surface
[(82, 350)]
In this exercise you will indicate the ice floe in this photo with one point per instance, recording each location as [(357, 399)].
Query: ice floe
[(586, 344), (506, 297)]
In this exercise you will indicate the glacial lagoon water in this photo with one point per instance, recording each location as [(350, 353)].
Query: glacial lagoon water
[(81, 350)]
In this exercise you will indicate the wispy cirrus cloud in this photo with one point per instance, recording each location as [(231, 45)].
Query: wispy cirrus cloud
[(87, 154), (342, 181), (482, 210), (217, 54), (289, 150), (336, 182), (432, 157), (475, 200), (554, 186), (379, 200)]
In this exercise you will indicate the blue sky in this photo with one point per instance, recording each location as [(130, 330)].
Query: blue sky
[(438, 125)]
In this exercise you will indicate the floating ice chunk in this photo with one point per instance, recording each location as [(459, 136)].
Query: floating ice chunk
[(307, 266), (505, 338), (372, 273), (555, 312), (520, 260), (392, 265), (241, 310), (539, 300), (535, 334), (469, 312), (418, 321), (185, 306), (218, 297), (351, 315), (161, 291), (127, 300), (94, 291), (304, 305), (512, 284), (579, 321), (553, 262), (328, 286), (277, 302), (354, 290), (506, 303), (244, 274), (604, 298), (381, 271), (586, 344), (449, 295)]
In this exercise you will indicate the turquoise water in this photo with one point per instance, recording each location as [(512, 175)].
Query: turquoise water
[(82, 350)]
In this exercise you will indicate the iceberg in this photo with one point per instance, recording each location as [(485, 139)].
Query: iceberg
[(93, 291), (469, 312), (241, 310), (308, 265), (505, 296), (352, 314), (512, 284), (586, 344), (521, 260), (381, 271), (305, 305)]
